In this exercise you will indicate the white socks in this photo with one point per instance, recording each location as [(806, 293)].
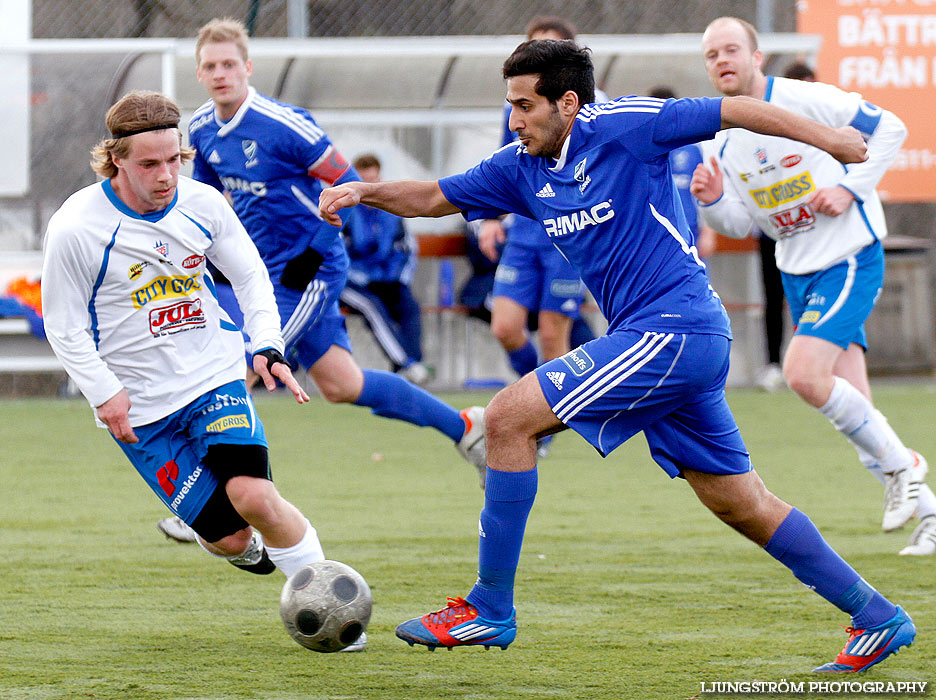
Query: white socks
[(290, 559), (865, 427)]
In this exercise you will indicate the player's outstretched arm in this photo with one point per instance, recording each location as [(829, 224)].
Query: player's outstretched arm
[(845, 144), (406, 198)]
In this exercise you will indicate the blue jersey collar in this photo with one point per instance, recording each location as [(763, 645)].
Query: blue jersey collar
[(231, 124), (121, 206)]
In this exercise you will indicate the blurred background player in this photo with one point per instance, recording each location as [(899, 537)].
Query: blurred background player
[(770, 377), (383, 261), (828, 223), (152, 350), (532, 275), (272, 158)]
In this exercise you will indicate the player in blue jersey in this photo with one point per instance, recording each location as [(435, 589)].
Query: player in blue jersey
[(383, 261), (661, 368), (272, 158), (532, 276)]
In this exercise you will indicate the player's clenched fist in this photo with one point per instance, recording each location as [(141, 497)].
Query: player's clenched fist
[(706, 185), (333, 199)]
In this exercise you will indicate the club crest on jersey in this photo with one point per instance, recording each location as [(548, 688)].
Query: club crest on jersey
[(580, 176), (579, 361), (761, 155), (162, 248), (250, 148), (556, 378)]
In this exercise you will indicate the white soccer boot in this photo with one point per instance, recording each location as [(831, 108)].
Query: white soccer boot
[(472, 445), (417, 373), (901, 492), (358, 645), (923, 539), (174, 528)]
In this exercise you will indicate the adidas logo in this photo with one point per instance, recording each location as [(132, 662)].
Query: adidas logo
[(214, 158), (556, 378), (547, 191)]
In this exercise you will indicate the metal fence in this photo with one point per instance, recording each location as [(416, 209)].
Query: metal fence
[(274, 18)]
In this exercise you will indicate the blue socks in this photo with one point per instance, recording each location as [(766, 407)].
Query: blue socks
[(508, 498), (798, 545), (389, 395), (523, 360)]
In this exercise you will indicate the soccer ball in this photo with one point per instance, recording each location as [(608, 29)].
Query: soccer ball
[(325, 606)]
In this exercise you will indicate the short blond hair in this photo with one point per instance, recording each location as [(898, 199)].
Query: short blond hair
[(222, 30), (133, 113)]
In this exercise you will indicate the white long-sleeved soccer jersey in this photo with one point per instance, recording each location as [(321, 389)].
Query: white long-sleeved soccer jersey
[(128, 303), (768, 180)]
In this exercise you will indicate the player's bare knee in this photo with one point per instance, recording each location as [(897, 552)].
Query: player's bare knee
[(509, 335), (336, 392), (504, 417)]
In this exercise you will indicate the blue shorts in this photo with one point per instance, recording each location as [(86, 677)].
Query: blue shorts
[(170, 452), (539, 279), (834, 303), (670, 386), (312, 320)]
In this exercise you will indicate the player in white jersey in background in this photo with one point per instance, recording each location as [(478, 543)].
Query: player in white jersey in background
[(828, 222), (131, 313), (660, 369)]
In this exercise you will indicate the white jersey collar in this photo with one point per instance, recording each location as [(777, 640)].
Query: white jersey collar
[(231, 124), (563, 155)]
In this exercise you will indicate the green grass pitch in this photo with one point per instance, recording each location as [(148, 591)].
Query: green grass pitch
[(627, 587)]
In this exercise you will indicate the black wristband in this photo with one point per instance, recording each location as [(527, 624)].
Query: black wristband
[(298, 272), (273, 356)]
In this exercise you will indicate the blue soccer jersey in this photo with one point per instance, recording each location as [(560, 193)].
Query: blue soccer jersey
[(262, 157), (609, 204), (683, 161)]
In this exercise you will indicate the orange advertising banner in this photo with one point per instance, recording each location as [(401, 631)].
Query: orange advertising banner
[(885, 50)]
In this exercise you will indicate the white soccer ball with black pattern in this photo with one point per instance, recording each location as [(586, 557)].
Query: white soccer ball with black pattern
[(326, 606)]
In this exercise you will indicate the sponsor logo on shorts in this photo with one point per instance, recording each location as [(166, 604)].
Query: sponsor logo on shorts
[(556, 378), (180, 316), (809, 317), (187, 486), (783, 191), (165, 288), (794, 220), (222, 401), (579, 361), (506, 274), (565, 288), (228, 422), (193, 261)]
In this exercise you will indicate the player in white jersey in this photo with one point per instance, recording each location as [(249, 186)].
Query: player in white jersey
[(131, 313), (828, 222), (614, 213)]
